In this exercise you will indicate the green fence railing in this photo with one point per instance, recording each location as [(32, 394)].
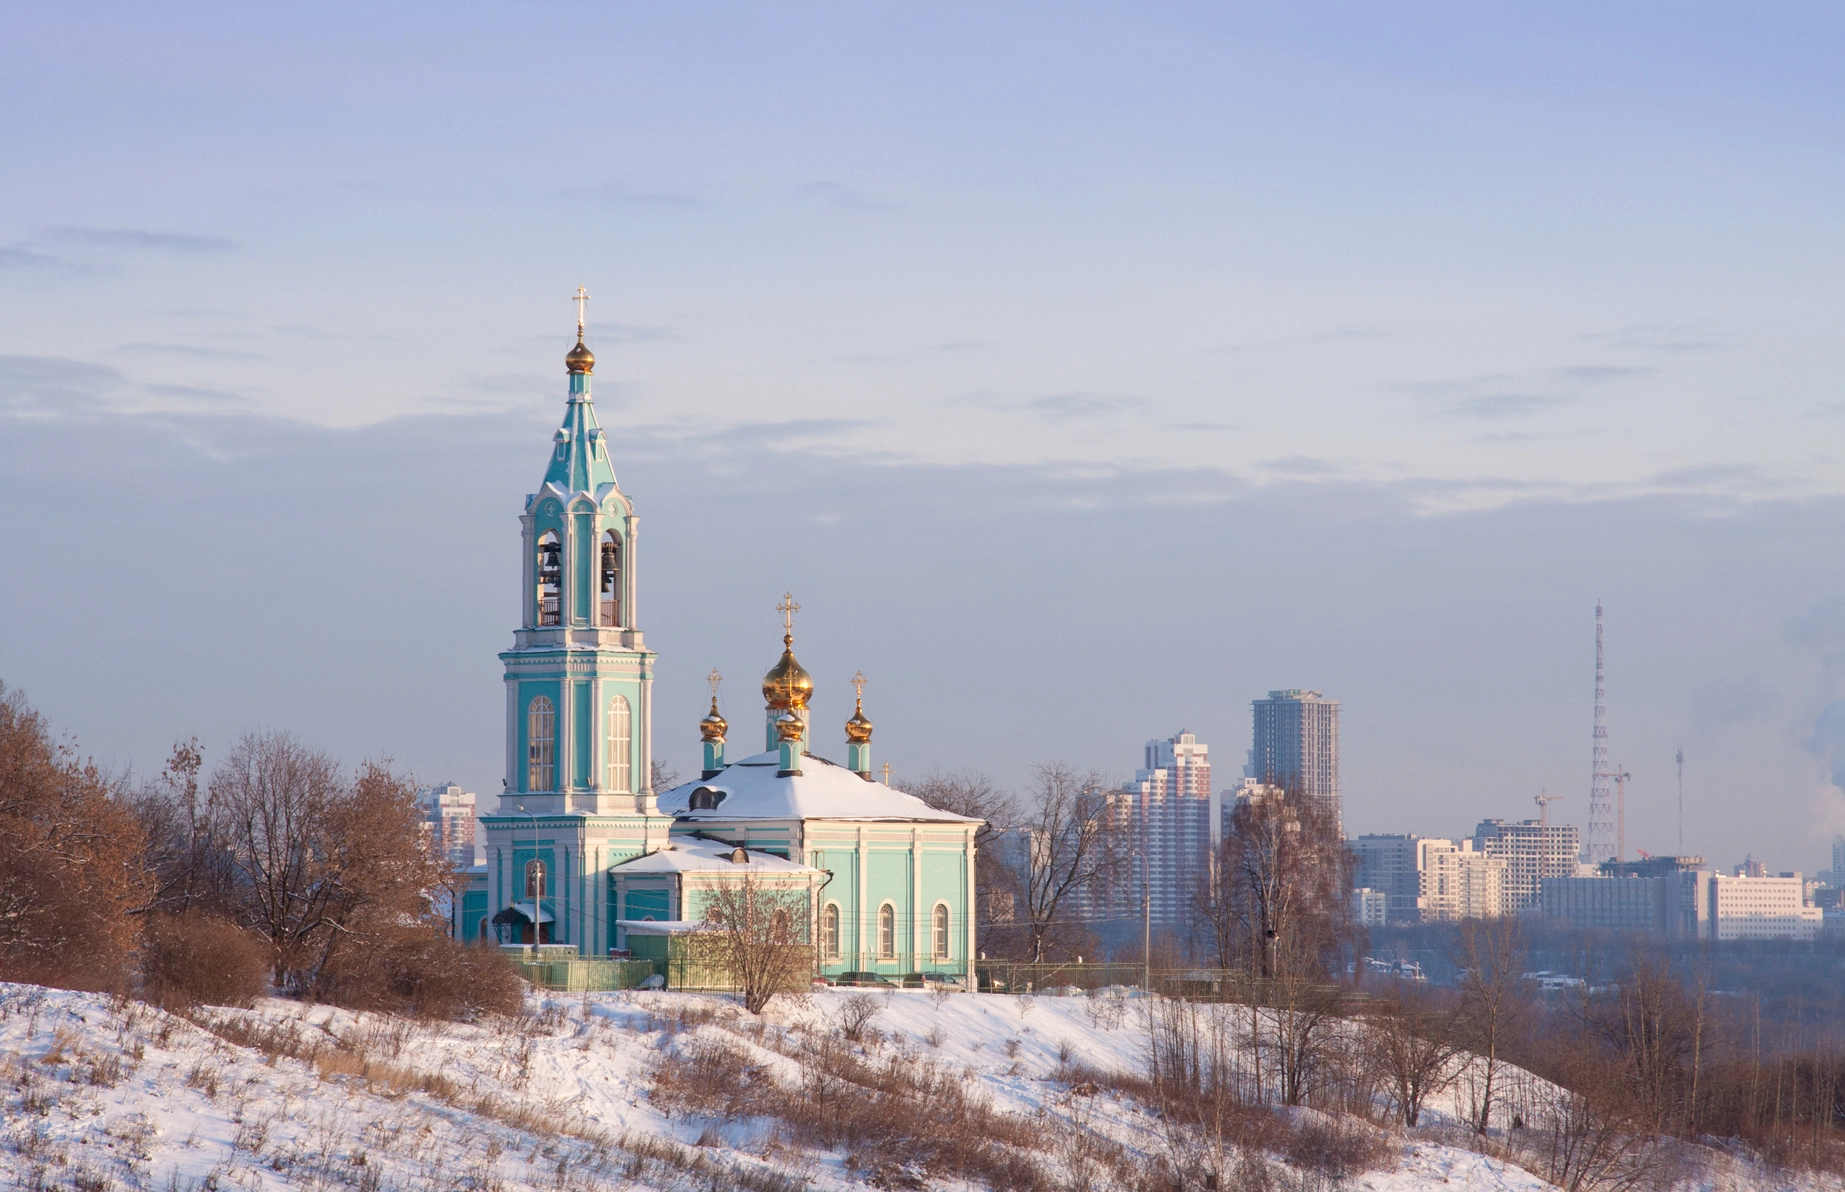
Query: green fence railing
[(580, 976)]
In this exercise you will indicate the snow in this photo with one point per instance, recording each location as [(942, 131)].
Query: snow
[(110, 1093), (755, 789)]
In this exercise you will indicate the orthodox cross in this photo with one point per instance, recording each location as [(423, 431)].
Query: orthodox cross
[(581, 298), (886, 773), (858, 686), (787, 608), (714, 679)]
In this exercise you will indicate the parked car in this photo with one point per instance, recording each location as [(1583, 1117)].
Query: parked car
[(941, 981), (863, 979)]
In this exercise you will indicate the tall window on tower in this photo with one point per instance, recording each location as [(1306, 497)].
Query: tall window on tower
[(621, 739), (939, 931), (610, 615), (540, 745), (550, 579)]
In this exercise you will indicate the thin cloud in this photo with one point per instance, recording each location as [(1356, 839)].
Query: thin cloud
[(622, 193), (25, 258), (191, 350), (1497, 406), (838, 194), (1303, 465), (1653, 338), (1595, 373), (1080, 405), (179, 242), (47, 386)]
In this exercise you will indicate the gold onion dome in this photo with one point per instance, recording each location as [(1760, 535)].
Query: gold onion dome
[(858, 729), (787, 685), (580, 359), (713, 726), (789, 727)]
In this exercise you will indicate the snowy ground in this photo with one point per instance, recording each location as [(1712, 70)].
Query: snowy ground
[(103, 1094)]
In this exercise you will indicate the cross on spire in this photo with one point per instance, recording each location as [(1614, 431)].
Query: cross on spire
[(886, 773), (787, 608), (581, 298), (858, 686), (714, 679)]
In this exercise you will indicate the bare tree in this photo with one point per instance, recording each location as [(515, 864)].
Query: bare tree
[(319, 863), (192, 871), (1061, 848), (1490, 954), (1409, 1040), (967, 793), (760, 936), (1276, 903)]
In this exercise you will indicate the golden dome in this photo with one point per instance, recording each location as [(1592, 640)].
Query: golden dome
[(858, 729), (712, 727), (580, 359), (787, 685), (789, 727)]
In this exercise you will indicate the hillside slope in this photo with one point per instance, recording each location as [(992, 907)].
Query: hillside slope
[(642, 1090)]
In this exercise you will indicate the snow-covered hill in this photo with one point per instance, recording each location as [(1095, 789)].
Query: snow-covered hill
[(108, 1093)]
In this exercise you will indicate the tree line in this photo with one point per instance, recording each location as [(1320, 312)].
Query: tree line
[(273, 869)]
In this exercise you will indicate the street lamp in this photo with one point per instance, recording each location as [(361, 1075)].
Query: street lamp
[(544, 875)]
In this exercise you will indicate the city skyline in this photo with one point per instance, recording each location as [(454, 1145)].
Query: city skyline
[(1366, 355)]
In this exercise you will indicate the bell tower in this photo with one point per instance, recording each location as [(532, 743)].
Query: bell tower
[(579, 678)]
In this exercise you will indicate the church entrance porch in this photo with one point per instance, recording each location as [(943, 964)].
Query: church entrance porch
[(516, 924)]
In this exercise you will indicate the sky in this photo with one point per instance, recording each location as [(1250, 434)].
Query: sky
[(1086, 372)]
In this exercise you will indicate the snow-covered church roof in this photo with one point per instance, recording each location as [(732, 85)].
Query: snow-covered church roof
[(692, 855), (754, 788)]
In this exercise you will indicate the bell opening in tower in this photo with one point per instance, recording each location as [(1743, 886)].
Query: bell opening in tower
[(610, 613), (550, 579)]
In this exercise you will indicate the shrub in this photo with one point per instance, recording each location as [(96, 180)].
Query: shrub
[(70, 868), (417, 971), (188, 960)]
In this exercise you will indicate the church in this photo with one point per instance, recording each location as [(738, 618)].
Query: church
[(582, 851)]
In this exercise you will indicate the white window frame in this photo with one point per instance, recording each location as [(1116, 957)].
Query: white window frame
[(621, 746)]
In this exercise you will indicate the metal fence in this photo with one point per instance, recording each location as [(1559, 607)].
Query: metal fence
[(578, 976), (1195, 984)]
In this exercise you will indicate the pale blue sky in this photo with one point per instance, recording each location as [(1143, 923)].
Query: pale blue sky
[(1086, 371)]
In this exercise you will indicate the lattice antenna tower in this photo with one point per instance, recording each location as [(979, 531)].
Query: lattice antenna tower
[(1599, 844)]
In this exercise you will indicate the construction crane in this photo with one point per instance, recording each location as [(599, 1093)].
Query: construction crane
[(1544, 801)]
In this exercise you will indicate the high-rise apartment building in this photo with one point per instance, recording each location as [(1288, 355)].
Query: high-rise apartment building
[(448, 821), (1458, 882), (1387, 863), (1533, 851), (1164, 822), (1296, 745)]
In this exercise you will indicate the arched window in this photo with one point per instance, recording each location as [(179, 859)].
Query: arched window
[(610, 615), (540, 745), (534, 879), (706, 798), (887, 932), (550, 579), (939, 931), (621, 740), (829, 931)]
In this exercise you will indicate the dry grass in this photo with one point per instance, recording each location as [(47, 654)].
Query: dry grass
[(901, 1119)]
